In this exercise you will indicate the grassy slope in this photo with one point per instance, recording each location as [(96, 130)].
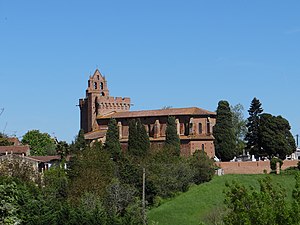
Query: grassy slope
[(191, 207)]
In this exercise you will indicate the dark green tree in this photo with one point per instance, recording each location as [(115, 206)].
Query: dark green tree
[(133, 146), (91, 171), (223, 132), (80, 142), (143, 138), (203, 166), (62, 149), (39, 142), (112, 143), (252, 136), (172, 138), (275, 136)]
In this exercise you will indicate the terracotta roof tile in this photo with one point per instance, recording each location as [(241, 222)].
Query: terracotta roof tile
[(15, 149), (95, 135), (159, 112)]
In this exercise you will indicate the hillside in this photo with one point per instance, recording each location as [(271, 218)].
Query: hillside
[(192, 207)]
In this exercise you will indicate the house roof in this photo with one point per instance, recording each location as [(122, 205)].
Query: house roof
[(19, 149), (47, 158), (160, 112)]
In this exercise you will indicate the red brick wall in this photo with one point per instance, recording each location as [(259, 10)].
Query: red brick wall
[(252, 167)]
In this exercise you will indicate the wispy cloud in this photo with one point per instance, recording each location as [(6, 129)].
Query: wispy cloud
[(292, 31)]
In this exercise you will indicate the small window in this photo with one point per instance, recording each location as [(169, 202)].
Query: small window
[(95, 85), (202, 147), (102, 94), (89, 83), (98, 77), (101, 86)]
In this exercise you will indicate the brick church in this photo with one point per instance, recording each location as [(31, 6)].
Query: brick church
[(194, 125)]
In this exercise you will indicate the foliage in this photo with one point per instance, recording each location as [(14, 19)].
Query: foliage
[(4, 140), (252, 137), (112, 143), (63, 149), (39, 142), (224, 133), (90, 171), (133, 138), (274, 161), (138, 140), (239, 126), (79, 143), (172, 138), (203, 167), (275, 136), (143, 138), (168, 174)]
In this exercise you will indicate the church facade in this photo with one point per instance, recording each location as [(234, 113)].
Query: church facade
[(194, 125)]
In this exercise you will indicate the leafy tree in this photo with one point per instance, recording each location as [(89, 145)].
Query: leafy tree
[(252, 136), (91, 171), (203, 167), (172, 138), (239, 126), (39, 142), (267, 206), (224, 133), (112, 143), (275, 136), (63, 149), (4, 140)]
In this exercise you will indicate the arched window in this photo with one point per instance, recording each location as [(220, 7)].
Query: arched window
[(102, 94), (101, 86), (202, 147), (208, 126), (200, 128), (95, 85)]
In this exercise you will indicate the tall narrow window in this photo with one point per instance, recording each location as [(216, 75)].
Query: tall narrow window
[(101, 86), (208, 125), (95, 85), (200, 128), (202, 147)]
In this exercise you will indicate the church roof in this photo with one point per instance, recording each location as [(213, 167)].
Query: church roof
[(160, 112)]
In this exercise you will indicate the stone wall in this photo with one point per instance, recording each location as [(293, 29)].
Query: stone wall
[(257, 167)]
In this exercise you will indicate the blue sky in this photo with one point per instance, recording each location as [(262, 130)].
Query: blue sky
[(158, 52)]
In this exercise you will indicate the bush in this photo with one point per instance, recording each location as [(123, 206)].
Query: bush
[(273, 162)]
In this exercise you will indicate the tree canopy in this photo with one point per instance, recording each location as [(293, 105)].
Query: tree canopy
[(224, 133), (275, 136), (40, 143)]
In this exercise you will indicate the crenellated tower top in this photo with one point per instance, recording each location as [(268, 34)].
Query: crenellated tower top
[(98, 102)]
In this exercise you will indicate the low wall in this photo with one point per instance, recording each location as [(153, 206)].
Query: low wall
[(249, 167)]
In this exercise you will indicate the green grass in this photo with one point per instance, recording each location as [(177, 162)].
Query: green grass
[(192, 206)]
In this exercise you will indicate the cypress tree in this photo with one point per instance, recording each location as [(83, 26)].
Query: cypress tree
[(172, 138), (133, 138), (252, 137), (112, 143), (143, 138), (224, 132)]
